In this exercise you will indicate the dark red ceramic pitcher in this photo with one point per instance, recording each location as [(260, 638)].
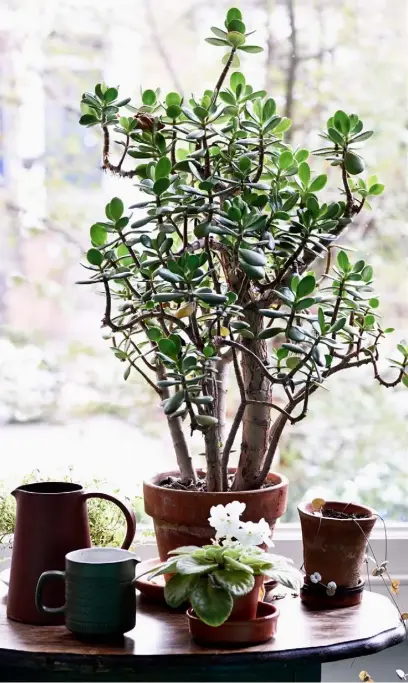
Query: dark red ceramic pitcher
[(51, 520)]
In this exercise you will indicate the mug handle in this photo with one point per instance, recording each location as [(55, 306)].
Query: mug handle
[(127, 511), (39, 592)]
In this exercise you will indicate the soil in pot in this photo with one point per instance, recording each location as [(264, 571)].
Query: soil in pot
[(342, 514), (334, 542), (181, 515)]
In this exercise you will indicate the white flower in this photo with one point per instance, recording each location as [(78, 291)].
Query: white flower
[(218, 515), (224, 524), (234, 509), (266, 532), (250, 534), (331, 588), (315, 578)]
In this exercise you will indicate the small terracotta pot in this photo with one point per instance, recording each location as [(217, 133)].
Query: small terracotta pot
[(237, 633), (245, 608), (181, 517), (335, 548)]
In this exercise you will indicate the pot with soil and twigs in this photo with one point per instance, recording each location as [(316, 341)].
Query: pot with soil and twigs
[(180, 515), (215, 259), (335, 537)]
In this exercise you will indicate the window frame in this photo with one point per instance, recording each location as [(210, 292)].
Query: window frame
[(288, 542)]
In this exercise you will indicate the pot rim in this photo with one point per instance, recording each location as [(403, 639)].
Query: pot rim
[(274, 614), (284, 482), (304, 509), (45, 488)]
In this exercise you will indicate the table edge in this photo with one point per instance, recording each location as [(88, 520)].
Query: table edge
[(328, 653)]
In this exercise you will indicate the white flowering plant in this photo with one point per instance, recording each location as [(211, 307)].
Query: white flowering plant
[(213, 576)]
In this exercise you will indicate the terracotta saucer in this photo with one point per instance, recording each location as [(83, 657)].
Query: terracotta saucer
[(236, 633), (314, 596), (150, 589)]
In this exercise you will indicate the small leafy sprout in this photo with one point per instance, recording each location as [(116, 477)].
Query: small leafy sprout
[(318, 504), (213, 576), (331, 588), (365, 677), (381, 569), (395, 586)]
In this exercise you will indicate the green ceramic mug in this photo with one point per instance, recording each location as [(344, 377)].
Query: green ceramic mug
[(100, 596)]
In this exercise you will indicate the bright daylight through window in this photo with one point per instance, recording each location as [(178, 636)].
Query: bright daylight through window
[(68, 406)]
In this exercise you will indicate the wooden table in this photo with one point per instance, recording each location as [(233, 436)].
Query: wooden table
[(160, 648)]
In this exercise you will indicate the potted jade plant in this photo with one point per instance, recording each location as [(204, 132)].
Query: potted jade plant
[(223, 581), (213, 260)]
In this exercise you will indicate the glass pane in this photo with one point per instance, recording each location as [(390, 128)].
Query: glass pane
[(66, 409)]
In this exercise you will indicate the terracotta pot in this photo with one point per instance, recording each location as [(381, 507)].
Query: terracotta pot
[(335, 548), (237, 633), (181, 517), (245, 608)]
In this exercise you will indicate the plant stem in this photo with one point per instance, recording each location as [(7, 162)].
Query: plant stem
[(122, 158), (184, 460), (257, 417), (106, 164), (223, 75), (237, 421), (222, 394)]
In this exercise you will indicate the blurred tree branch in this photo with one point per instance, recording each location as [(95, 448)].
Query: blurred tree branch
[(49, 225), (293, 62), (161, 49)]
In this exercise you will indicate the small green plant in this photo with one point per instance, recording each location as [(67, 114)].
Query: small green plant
[(7, 515), (218, 260), (213, 576), (106, 522)]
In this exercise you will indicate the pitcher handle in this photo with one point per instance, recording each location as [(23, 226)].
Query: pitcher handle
[(39, 592), (127, 511)]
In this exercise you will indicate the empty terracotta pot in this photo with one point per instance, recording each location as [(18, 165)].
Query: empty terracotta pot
[(181, 517), (335, 548)]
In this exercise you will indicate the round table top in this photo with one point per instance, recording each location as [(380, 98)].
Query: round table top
[(161, 635)]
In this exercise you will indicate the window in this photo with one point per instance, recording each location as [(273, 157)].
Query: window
[(1, 146), (72, 155), (63, 400)]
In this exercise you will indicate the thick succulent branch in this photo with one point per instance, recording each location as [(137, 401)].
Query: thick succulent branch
[(236, 422), (184, 460), (257, 418)]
